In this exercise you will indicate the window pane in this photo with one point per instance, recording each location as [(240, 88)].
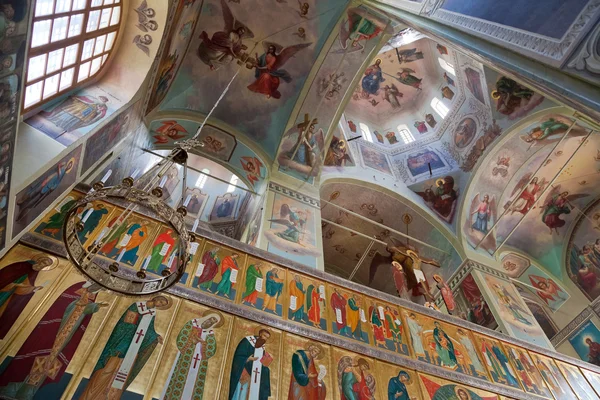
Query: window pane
[(96, 3), (62, 6), (54, 60), (109, 2), (99, 44), (37, 65), (95, 66), (93, 18), (59, 29), (84, 71), (33, 94), (51, 86), (66, 78), (70, 55), (110, 39), (41, 33), (88, 47), (43, 7), (104, 57), (75, 25), (104, 18), (79, 4), (115, 16)]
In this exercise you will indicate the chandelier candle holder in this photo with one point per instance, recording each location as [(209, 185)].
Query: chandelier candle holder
[(144, 195)]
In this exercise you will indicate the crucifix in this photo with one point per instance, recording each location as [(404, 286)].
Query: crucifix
[(139, 335), (256, 373), (196, 359)]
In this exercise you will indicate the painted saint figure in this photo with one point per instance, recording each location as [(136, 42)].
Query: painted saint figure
[(444, 346), (297, 296), (554, 207), (50, 347), (471, 352), (405, 77), (338, 304), (92, 222), (77, 112), (397, 387), (353, 379), (161, 250), (274, 288), (228, 266), (250, 377), (416, 335), (306, 382), (196, 344), (483, 213), (207, 270), (372, 79), (53, 227), (376, 318), (446, 292), (253, 284)]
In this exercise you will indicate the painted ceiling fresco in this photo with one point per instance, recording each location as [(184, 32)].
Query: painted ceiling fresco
[(343, 249), (274, 50)]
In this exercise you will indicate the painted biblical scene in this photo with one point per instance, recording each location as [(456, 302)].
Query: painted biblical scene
[(25, 277), (547, 288), (443, 344), (347, 314), (496, 361), (128, 348), (434, 388), (375, 160), (301, 149), (38, 195), (75, 116), (218, 270), (586, 342), (440, 195), (307, 301), (194, 354), (510, 99), (306, 365), (42, 362), (292, 230), (386, 326), (356, 376), (471, 305), (263, 286), (401, 383), (253, 362), (529, 376), (163, 253), (514, 264), (552, 376), (420, 162), (338, 153), (125, 240), (510, 310), (52, 224), (579, 384)]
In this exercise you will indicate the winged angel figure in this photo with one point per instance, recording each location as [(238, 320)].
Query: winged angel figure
[(144, 14), (551, 130), (482, 215), (142, 43), (268, 68), (354, 381), (528, 191), (360, 26), (226, 45), (301, 147), (404, 259), (294, 237), (558, 202)]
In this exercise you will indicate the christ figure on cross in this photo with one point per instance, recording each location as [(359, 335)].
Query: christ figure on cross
[(250, 374)]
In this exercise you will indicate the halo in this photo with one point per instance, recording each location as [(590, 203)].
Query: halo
[(378, 59), (50, 267), (440, 181), (319, 346), (495, 94), (435, 276), (221, 319), (457, 388)]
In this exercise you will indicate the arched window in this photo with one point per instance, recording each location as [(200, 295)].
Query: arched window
[(202, 178), (365, 132), (70, 42), (232, 183), (405, 134), (447, 66), (439, 107)]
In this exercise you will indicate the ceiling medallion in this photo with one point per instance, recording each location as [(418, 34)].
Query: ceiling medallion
[(143, 195)]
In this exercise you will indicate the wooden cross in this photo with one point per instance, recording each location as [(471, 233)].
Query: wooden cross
[(196, 359), (139, 335), (256, 372)]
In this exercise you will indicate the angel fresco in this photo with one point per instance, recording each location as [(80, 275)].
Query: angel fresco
[(169, 130), (405, 77), (551, 130), (337, 155), (360, 26), (268, 72), (252, 166), (303, 153), (294, 220), (409, 55), (548, 290), (354, 381), (513, 99), (226, 45), (482, 215), (391, 94), (529, 193), (558, 203), (142, 43)]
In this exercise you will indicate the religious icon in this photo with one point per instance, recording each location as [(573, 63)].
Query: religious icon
[(254, 363), (578, 383), (39, 362), (496, 361), (263, 287), (430, 119), (464, 133), (52, 224), (352, 126), (448, 80), (530, 378), (556, 382), (163, 253), (124, 242), (218, 271), (409, 55), (226, 45), (372, 80), (309, 372), (434, 388), (301, 147), (551, 129), (19, 282), (169, 130), (338, 154), (197, 344), (354, 377), (405, 77), (447, 294), (391, 137), (386, 325), (253, 167), (379, 136), (469, 356), (402, 384), (586, 342), (347, 314), (482, 215), (421, 127), (130, 345), (513, 99), (92, 216), (548, 290), (307, 301), (196, 201), (441, 49), (558, 203), (269, 70), (77, 112), (447, 93), (225, 207), (593, 379), (442, 200), (392, 95)]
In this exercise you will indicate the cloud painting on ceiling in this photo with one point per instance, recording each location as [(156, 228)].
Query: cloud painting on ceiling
[(260, 55), (553, 19)]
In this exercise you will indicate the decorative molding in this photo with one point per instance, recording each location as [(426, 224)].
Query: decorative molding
[(431, 6), (276, 187), (587, 58), (565, 332), (459, 275), (556, 51)]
